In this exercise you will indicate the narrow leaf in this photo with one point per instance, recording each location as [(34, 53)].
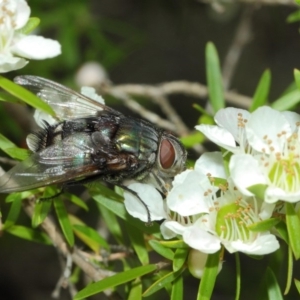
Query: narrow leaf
[(293, 226), (287, 101), (208, 280), (264, 225), (25, 95), (177, 289), (76, 200), (31, 24), (138, 243), (297, 78), (261, 94), (214, 77), (297, 284), (10, 149), (64, 221), (13, 213), (272, 285), (161, 283), (41, 210), (136, 290), (29, 234), (113, 281), (289, 271), (174, 244), (293, 17), (160, 249), (180, 257), (282, 230)]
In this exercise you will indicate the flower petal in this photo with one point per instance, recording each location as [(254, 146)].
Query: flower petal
[(245, 172), (169, 229), (200, 239), (230, 119), (22, 13), (264, 244), (36, 47), (188, 198), (211, 163), (10, 63), (219, 136), (263, 128), (150, 196)]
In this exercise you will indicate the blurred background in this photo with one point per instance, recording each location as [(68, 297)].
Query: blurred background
[(150, 42)]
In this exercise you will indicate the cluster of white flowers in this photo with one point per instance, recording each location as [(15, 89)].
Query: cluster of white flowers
[(213, 205), (16, 47)]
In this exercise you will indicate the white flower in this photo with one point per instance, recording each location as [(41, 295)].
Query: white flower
[(230, 130), (204, 215), (15, 46), (276, 163)]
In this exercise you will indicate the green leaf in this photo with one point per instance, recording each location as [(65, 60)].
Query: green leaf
[(161, 283), (297, 284), (136, 290), (192, 139), (208, 280), (138, 243), (41, 210), (261, 94), (180, 257), (91, 234), (31, 24), (293, 17), (177, 289), (112, 223), (114, 280), (293, 227), (24, 95), (160, 249), (258, 190), (214, 77), (264, 225), (64, 221), (11, 197), (17, 153), (174, 244), (289, 271), (77, 201), (287, 101), (282, 230), (13, 213), (273, 288), (29, 234), (297, 78)]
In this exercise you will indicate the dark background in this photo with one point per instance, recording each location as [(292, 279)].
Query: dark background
[(147, 41)]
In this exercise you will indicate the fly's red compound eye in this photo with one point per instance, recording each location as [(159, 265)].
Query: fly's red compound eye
[(167, 154)]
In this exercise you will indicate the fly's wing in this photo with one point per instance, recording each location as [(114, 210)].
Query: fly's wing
[(71, 159), (66, 103)]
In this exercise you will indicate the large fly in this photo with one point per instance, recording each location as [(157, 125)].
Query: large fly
[(90, 141)]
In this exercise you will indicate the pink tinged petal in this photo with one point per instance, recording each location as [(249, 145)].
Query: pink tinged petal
[(36, 47), (150, 196), (9, 63), (200, 239), (22, 14), (273, 194), (211, 163), (188, 198), (219, 136), (170, 229), (229, 119), (263, 126), (245, 172), (264, 244)]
